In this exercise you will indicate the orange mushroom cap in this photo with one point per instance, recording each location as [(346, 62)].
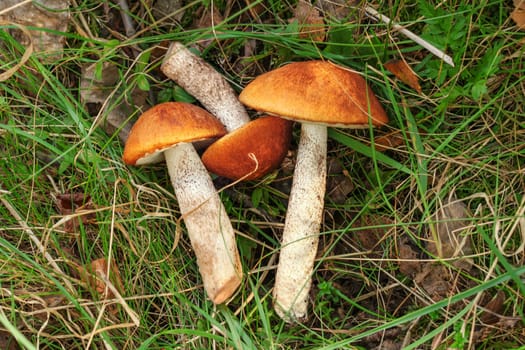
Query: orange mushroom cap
[(165, 125), (250, 151), (317, 92)]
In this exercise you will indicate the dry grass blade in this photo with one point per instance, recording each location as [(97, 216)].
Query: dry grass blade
[(25, 57)]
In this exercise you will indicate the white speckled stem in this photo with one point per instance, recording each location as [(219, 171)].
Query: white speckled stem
[(204, 83), (302, 225), (209, 228)]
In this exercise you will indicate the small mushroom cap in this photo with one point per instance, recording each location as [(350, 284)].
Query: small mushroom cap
[(316, 92), (250, 151), (166, 125)]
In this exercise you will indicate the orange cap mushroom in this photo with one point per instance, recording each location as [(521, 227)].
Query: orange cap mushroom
[(168, 130), (317, 94)]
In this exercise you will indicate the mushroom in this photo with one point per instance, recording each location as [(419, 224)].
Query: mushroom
[(251, 149), (317, 94), (167, 131)]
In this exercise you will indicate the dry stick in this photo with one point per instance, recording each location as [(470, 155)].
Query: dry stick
[(204, 83), (434, 50), (126, 18)]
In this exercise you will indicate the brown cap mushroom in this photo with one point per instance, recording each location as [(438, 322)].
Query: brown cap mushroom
[(166, 125), (317, 94), (250, 151), (168, 130)]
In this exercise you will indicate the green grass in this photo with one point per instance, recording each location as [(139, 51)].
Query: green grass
[(464, 136)]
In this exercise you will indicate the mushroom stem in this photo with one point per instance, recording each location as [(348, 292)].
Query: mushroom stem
[(209, 228), (204, 83), (302, 225)]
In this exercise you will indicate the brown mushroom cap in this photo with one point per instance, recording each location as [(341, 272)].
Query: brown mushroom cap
[(165, 125), (317, 92), (266, 138)]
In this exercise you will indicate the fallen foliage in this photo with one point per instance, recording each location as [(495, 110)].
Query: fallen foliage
[(79, 206), (403, 72), (518, 14), (450, 238), (99, 85), (98, 274), (310, 21), (52, 15)]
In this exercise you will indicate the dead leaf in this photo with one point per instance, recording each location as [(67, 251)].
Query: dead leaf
[(518, 15), (92, 273), (493, 309), (449, 233), (338, 9), (311, 23), (168, 10), (255, 9), (372, 231), (389, 141), (492, 319), (403, 72), (75, 203), (435, 279), (97, 90), (409, 263), (338, 182), (206, 18), (52, 15), (384, 340)]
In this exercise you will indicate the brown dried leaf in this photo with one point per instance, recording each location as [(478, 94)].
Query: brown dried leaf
[(98, 88), (91, 275), (338, 182), (409, 263), (75, 203), (311, 23), (168, 10), (371, 233), (49, 14), (493, 309), (449, 236), (389, 141), (384, 340), (435, 280), (518, 15), (206, 18), (404, 73), (339, 9)]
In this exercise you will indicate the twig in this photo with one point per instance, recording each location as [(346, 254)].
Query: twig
[(129, 27), (434, 50)]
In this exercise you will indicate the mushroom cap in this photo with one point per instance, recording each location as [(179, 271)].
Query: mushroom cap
[(166, 125), (267, 140), (317, 92)]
